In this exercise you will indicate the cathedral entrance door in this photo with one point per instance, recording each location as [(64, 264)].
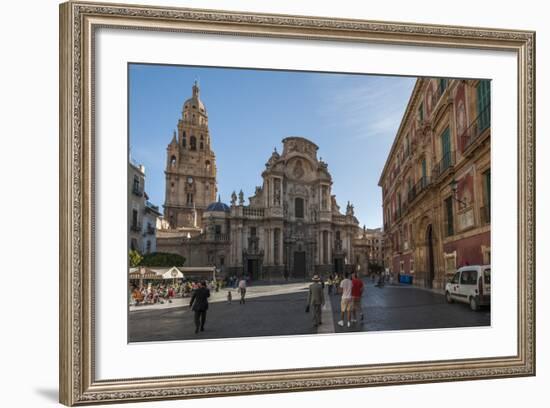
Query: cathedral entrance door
[(253, 269), (339, 266), (299, 270)]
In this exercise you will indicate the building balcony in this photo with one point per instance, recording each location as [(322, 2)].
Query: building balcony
[(476, 129), (222, 237), (446, 163), (136, 227), (438, 93), (137, 191), (253, 212), (151, 230), (418, 188)]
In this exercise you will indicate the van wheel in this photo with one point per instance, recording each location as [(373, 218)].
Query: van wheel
[(473, 304), (448, 297)]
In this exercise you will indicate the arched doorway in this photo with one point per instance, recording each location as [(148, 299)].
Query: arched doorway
[(430, 267)]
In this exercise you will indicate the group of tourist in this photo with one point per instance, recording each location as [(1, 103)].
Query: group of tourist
[(351, 290), (160, 293)]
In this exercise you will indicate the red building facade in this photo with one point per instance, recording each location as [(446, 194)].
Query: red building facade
[(436, 183)]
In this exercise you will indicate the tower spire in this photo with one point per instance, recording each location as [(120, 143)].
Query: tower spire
[(196, 89)]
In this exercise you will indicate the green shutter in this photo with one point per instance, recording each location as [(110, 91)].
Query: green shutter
[(483, 104), (446, 149)]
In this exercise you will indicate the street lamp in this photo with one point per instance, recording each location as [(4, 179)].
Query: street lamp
[(454, 189)]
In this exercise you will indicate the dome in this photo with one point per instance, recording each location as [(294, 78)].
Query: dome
[(218, 206), (195, 102), (189, 103)]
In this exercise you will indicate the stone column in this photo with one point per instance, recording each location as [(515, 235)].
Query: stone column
[(281, 243), (329, 247)]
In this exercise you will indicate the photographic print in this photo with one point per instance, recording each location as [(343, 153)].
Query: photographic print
[(313, 184), (280, 203)]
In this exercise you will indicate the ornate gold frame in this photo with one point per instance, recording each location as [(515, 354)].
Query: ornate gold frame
[(78, 21)]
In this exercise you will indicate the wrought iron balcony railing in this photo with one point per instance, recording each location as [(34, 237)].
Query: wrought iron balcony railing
[(136, 227), (447, 161), (476, 128)]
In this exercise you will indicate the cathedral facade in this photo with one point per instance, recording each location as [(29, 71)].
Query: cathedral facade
[(292, 226)]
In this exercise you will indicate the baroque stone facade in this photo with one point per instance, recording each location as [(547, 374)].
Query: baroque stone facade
[(436, 183), (292, 226)]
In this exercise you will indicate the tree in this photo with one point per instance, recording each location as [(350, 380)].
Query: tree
[(134, 258), (162, 259)]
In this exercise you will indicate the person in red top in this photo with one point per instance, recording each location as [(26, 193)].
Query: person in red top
[(356, 293)]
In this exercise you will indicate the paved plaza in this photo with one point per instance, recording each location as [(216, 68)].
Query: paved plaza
[(274, 310)]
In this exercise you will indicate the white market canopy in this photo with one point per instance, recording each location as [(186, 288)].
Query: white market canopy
[(174, 272)]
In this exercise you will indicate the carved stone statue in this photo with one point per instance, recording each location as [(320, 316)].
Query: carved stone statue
[(241, 197), (233, 199)]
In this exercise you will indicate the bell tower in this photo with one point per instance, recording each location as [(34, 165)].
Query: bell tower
[(190, 167)]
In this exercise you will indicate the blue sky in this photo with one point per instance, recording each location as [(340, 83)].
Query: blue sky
[(352, 118)]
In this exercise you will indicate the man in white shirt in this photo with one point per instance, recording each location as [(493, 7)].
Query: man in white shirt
[(242, 290), (346, 302)]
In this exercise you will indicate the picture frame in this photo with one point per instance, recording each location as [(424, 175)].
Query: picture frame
[(78, 24)]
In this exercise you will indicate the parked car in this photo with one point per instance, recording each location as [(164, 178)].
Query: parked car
[(470, 284)]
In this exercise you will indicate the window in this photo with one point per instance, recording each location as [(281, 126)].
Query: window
[(449, 216), (487, 276), (207, 165), (173, 161), (421, 112), (218, 230), (193, 143), (135, 187), (134, 219), (455, 278), (184, 140), (484, 104), (424, 173), (299, 208), (148, 247), (202, 142), (468, 278), (252, 231), (442, 84), (189, 198), (445, 150), (486, 210)]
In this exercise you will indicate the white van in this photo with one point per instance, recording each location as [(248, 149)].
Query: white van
[(470, 284)]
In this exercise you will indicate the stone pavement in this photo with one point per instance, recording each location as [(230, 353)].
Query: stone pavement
[(279, 310)]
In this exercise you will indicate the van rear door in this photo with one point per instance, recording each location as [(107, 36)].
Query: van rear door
[(487, 281)]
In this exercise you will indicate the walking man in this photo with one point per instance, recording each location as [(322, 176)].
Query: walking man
[(199, 304), (345, 303), (316, 299), (242, 290), (357, 287)]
